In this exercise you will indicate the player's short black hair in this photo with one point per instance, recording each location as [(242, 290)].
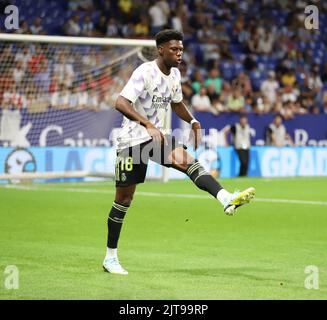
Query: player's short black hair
[(167, 35)]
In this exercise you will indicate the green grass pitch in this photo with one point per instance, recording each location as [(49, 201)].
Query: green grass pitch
[(176, 242)]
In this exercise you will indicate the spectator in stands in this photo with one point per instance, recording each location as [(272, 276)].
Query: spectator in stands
[(307, 93), (73, 98), (288, 110), (288, 78), (276, 134), (262, 105), (23, 54), (13, 99), (201, 103), (289, 94), (158, 13), (112, 28), (42, 77), (64, 70), (197, 82), (224, 51), (220, 32), (277, 107), (105, 81), (82, 97), (243, 82), (212, 94), (90, 82), (248, 104), (176, 21), (84, 5), (266, 42), (269, 88), (93, 102), (106, 103), (239, 24), (127, 30), (235, 101), (253, 42), (18, 72), (100, 27), (244, 35), (186, 82), (314, 79), (125, 8), (23, 28), (36, 27), (241, 141), (36, 60), (315, 110), (214, 79), (249, 62), (141, 28), (214, 99), (6, 54), (196, 21), (61, 98), (72, 27), (54, 84), (209, 44), (226, 92), (6, 82), (87, 27)]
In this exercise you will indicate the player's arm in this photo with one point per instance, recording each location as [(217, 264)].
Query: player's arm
[(182, 112), (270, 137), (229, 130), (125, 106), (289, 140)]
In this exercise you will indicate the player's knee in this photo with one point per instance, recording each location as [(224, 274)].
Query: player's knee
[(195, 170), (125, 199), (181, 167)]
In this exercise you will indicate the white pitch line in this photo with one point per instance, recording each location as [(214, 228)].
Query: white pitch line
[(320, 203), (157, 194)]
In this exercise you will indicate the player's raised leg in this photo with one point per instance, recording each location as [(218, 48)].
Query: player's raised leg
[(123, 199), (183, 161)]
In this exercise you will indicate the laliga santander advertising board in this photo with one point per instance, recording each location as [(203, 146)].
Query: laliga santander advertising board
[(265, 161)]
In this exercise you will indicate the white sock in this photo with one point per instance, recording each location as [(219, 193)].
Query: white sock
[(223, 196), (111, 253)]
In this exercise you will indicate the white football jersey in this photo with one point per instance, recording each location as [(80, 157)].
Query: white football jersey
[(151, 93)]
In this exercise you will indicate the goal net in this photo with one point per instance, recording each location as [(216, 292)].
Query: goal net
[(56, 103)]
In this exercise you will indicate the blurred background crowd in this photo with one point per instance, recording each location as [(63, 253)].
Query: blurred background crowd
[(240, 56)]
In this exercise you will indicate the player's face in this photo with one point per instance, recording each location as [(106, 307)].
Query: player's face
[(172, 52)]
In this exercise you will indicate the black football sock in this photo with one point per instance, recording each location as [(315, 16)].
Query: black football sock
[(203, 179), (115, 222)]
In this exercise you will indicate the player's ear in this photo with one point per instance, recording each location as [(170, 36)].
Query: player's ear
[(160, 50)]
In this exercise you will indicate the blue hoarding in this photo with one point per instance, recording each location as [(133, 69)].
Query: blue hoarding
[(223, 162)]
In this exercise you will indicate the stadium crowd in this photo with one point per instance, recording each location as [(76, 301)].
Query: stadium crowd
[(240, 56)]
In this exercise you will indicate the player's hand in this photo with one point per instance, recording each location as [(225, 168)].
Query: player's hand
[(156, 134), (196, 135)]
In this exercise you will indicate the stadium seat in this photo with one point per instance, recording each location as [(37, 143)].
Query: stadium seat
[(227, 70)]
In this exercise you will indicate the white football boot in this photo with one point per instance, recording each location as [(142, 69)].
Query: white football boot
[(112, 265)]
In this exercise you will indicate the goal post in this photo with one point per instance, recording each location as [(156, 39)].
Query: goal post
[(57, 94)]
